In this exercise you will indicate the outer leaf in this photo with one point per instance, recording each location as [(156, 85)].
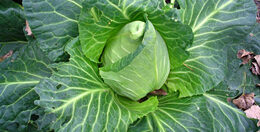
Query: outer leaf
[(40, 121), (240, 77), (100, 19), (12, 22), (209, 112), (82, 102), (215, 24), (176, 35), (53, 22), (17, 93)]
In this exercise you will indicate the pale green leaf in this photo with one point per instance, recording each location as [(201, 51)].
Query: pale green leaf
[(125, 42)]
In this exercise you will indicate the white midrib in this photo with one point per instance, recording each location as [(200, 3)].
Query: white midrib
[(195, 28), (77, 4), (17, 83), (78, 97), (209, 96)]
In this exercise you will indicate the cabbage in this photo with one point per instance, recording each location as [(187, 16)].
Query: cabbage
[(140, 57)]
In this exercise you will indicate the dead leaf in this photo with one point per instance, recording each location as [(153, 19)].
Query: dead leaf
[(257, 2), (257, 59), (245, 101), (28, 29), (158, 92), (10, 53), (245, 56), (242, 53), (254, 112), (255, 68), (256, 65)]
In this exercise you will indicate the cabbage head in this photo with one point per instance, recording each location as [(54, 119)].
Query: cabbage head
[(140, 56)]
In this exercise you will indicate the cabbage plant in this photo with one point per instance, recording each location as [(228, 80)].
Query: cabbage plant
[(126, 65)]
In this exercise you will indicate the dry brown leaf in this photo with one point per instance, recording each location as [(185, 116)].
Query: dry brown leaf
[(158, 92), (10, 53), (254, 112), (245, 101), (255, 68), (257, 2), (28, 29), (242, 53), (245, 56), (257, 59), (256, 65)]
